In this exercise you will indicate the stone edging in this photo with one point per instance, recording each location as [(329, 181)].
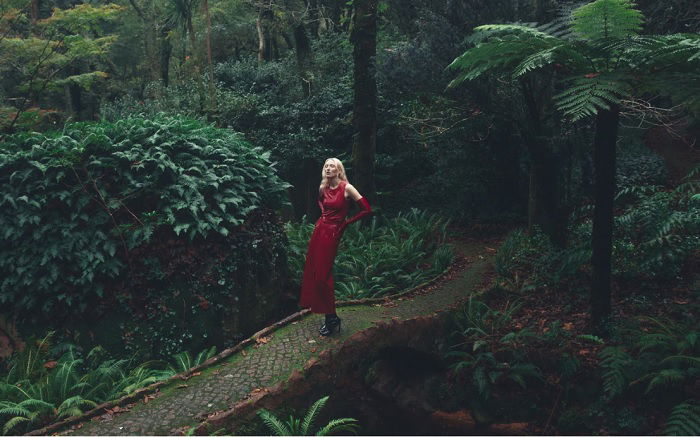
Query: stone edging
[(54, 427)]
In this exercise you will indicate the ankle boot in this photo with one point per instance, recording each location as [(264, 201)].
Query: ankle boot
[(332, 322)]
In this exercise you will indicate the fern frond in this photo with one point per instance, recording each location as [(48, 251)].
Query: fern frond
[(614, 362), (345, 424), (311, 414), (13, 423), (665, 378), (589, 95), (606, 19), (684, 420), (273, 423)]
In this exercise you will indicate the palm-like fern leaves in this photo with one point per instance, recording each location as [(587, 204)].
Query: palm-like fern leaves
[(605, 19), (296, 426), (589, 95)]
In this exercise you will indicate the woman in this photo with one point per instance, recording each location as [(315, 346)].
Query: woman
[(334, 196)]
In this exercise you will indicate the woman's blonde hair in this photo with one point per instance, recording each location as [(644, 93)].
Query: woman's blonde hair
[(341, 171)]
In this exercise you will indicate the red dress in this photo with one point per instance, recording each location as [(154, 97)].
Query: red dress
[(317, 283)]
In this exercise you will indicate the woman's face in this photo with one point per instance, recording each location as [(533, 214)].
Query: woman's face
[(330, 170)]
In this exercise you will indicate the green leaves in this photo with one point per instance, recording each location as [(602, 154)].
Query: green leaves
[(375, 260), (589, 95), (75, 204), (604, 19), (296, 426)]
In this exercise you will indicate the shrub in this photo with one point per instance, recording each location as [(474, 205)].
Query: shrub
[(136, 215)]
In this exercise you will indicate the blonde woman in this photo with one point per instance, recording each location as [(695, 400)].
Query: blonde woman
[(334, 197)]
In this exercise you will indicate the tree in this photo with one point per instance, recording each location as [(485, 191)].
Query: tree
[(62, 51), (364, 40), (601, 60)]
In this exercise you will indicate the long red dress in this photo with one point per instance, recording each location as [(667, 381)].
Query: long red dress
[(317, 283)]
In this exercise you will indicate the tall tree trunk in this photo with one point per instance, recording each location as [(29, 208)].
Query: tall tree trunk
[(364, 39), (212, 90), (34, 12), (264, 26), (604, 191), (304, 58), (166, 50), (314, 23), (545, 207)]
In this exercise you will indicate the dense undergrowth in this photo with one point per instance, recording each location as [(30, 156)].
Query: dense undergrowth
[(378, 260), (527, 336), (45, 382)]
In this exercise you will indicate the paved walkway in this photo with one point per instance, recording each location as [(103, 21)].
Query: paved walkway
[(274, 357)]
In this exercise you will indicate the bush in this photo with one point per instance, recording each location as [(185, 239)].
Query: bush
[(137, 215)]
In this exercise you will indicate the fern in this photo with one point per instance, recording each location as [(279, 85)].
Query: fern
[(589, 95), (345, 424), (311, 415), (614, 361), (276, 426), (683, 420), (296, 426), (606, 19)]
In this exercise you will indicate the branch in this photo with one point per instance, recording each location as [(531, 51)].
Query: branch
[(645, 114)]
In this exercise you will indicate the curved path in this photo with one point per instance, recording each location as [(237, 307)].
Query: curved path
[(273, 358)]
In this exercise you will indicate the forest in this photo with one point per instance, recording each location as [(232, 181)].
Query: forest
[(529, 263)]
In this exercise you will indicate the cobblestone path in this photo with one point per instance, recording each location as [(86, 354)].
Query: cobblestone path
[(275, 356)]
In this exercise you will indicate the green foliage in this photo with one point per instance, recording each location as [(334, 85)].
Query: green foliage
[(481, 347), (184, 361), (606, 19), (614, 361), (76, 202), (586, 96), (602, 62), (658, 230), (37, 390), (684, 420), (378, 260), (297, 426)]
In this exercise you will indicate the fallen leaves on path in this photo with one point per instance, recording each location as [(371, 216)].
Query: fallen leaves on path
[(262, 340), (182, 386)]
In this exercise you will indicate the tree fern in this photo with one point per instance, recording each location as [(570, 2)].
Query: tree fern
[(604, 19), (589, 95), (684, 420)]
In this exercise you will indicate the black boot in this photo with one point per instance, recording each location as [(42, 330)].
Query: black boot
[(332, 322)]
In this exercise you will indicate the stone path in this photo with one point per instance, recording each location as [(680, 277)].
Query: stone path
[(274, 357)]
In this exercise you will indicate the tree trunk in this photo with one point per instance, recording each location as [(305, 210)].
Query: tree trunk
[(364, 40), (545, 207), (34, 12), (314, 23), (264, 24), (212, 90), (166, 50), (304, 59), (604, 191)]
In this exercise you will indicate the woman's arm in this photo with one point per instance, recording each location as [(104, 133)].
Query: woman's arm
[(365, 209)]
